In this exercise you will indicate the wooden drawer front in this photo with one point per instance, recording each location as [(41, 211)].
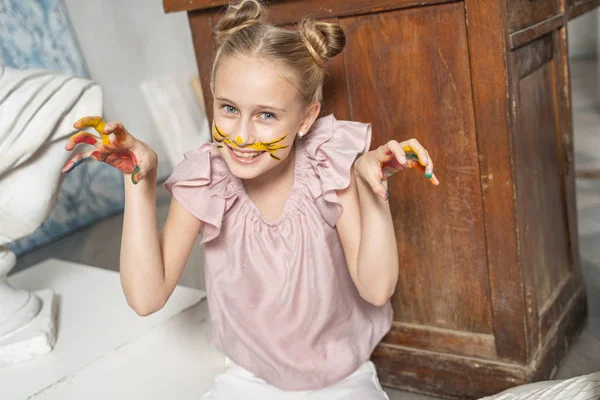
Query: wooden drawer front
[(525, 13)]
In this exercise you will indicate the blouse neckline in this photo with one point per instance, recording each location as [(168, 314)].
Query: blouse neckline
[(289, 203)]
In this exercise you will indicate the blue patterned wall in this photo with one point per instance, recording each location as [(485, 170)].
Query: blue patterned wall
[(38, 34)]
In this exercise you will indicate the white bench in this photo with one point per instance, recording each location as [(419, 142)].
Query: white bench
[(106, 351)]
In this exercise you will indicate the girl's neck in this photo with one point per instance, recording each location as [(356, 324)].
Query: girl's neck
[(281, 174)]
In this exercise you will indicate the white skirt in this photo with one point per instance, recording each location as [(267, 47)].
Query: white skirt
[(237, 383)]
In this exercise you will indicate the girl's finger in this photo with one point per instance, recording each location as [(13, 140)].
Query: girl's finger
[(391, 167), (112, 138), (77, 160), (429, 166), (416, 147), (378, 183), (82, 137), (398, 152), (383, 153), (119, 131), (92, 122)]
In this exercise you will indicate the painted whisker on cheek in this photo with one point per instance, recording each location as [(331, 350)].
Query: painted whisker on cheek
[(269, 147), (218, 135)]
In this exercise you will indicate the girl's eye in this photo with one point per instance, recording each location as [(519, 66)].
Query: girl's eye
[(267, 115), (229, 109)]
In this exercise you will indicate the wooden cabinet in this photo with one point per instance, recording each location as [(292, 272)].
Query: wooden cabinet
[(490, 291)]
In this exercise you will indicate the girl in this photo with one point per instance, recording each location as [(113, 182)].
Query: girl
[(301, 256)]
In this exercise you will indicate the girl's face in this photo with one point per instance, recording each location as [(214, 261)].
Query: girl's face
[(257, 114)]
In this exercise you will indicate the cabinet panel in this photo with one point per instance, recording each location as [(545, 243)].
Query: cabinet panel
[(524, 13), (543, 230), (410, 77), (541, 204)]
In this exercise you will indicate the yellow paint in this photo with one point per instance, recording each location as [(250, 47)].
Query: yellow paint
[(98, 124), (269, 147)]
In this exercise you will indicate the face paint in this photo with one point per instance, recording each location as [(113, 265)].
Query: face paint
[(389, 168), (269, 147)]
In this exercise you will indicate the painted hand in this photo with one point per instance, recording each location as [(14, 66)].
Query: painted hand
[(376, 166), (115, 147)]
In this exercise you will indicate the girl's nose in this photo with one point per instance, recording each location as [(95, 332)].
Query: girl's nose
[(245, 136)]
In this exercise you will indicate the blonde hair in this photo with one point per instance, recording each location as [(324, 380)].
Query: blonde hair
[(243, 30)]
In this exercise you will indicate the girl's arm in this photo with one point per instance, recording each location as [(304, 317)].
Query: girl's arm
[(152, 263), (366, 227), (367, 234)]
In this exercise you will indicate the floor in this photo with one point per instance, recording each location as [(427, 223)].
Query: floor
[(99, 244)]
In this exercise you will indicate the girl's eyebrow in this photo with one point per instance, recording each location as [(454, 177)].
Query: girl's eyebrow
[(270, 108), (223, 99)]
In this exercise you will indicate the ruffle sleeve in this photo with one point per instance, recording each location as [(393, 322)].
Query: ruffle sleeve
[(201, 184), (331, 147)]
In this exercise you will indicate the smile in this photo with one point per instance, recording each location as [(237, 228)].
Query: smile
[(242, 156), (248, 154)]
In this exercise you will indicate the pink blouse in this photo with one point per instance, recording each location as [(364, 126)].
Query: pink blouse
[(281, 300)]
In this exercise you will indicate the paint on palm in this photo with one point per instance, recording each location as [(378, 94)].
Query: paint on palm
[(110, 152)]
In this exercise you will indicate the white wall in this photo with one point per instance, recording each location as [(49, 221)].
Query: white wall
[(583, 34), (127, 42)]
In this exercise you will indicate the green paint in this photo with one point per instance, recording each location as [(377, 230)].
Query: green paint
[(134, 174)]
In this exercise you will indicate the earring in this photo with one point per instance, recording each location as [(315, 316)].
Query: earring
[(300, 134)]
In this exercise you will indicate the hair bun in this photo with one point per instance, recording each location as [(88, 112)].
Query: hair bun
[(322, 39), (239, 16)]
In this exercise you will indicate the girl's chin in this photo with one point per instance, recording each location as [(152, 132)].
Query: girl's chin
[(246, 170)]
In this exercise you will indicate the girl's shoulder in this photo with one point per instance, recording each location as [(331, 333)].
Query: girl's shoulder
[(330, 148), (349, 136), (202, 184)]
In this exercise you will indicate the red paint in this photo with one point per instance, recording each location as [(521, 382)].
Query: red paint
[(88, 139)]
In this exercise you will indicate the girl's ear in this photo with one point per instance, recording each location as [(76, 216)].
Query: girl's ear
[(310, 116)]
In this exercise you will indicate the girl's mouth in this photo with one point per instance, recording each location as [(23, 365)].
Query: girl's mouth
[(244, 156)]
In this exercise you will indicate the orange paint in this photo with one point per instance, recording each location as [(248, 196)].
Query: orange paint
[(412, 160)]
